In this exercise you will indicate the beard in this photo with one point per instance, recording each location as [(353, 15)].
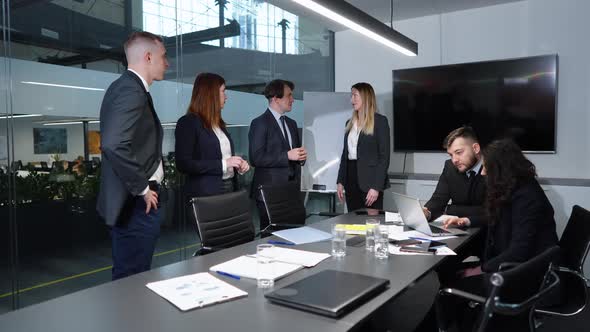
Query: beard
[(469, 165)]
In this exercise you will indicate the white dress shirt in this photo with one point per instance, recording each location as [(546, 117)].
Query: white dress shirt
[(277, 116), (225, 147), (158, 175), (353, 141)]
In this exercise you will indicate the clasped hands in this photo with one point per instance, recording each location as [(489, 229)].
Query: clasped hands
[(239, 163)]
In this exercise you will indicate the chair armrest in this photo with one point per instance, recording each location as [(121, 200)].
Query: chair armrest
[(507, 265), (463, 294)]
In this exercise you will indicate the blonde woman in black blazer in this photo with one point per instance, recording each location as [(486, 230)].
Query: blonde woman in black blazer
[(362, 175)]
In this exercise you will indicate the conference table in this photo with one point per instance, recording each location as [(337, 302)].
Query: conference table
[(128, 305)]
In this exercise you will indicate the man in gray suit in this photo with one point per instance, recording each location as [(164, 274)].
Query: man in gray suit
[(131, 146)]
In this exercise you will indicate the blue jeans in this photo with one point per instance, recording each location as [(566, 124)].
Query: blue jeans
[(134, 240)]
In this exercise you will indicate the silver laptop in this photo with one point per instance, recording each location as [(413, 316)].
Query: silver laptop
[(412, 214)]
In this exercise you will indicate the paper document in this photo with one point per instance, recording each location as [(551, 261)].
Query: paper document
[(418, 235), (247, 267), (303, 235), (361, 229), (441, 251), (393, 217), (354, 229), (294, 256), (195, 291)]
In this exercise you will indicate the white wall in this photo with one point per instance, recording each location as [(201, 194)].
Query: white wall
[(518, 29)]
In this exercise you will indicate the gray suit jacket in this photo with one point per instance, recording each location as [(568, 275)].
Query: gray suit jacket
[(131, 146)]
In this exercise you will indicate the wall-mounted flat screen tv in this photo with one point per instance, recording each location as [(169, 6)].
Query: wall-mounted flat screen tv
[(514, 98)]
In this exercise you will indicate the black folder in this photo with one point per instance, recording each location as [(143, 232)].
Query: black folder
[(330, 293)]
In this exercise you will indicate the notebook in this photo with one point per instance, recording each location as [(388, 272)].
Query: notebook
[(195, 291), (247, 267), (303, 235), (329, 293)]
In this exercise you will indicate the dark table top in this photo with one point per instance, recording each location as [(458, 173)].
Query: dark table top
[(128, 305)]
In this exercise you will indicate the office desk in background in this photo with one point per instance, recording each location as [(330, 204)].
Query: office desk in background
[(128, 305)]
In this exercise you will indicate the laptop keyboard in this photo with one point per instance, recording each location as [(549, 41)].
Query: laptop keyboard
[(438, 230)]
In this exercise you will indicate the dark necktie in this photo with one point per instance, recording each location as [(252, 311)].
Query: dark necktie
[(471, 181), (285, 131)]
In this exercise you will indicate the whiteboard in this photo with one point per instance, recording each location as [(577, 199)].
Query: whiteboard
[(324, 118)]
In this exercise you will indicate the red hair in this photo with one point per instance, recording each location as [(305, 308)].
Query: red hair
[(205, 100)]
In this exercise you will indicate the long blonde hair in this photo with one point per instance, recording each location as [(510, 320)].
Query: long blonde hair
[(364, 118)]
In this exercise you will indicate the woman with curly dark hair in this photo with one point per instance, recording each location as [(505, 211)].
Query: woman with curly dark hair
[(520, 215), (520, 226)]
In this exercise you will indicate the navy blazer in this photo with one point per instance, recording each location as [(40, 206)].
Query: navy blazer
[(198, 155), (131, 146), (467, 196), (526, 228), (372, 157), (268, 151)]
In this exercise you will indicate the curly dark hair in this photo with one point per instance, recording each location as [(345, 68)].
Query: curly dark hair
[(506, 169)]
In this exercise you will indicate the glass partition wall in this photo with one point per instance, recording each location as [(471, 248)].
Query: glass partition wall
[(56, 60)]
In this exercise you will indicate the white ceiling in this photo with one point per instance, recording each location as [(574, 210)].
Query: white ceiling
[(404, 9)]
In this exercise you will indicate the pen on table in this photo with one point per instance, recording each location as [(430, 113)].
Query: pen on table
[(228, 275), (419, 238), (281, 243)]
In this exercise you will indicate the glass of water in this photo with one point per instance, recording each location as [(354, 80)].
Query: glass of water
[(264, 261), (338, 240), (371, 224), (382, 242)]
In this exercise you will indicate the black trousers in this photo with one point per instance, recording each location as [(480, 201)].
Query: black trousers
[(355, 197)]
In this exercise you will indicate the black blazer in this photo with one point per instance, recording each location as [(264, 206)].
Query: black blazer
[(198, 155), (268, 151), (372, 157), (525, 229), (131, 146), (468, 196)]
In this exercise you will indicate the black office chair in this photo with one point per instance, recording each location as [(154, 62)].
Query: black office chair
[(284, 206), (514, 292), (223, 221), (574, 244)]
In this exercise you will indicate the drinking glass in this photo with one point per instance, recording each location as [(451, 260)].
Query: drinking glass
[(370, 233)]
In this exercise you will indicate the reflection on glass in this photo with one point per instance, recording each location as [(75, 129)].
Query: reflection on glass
[(59, 73)]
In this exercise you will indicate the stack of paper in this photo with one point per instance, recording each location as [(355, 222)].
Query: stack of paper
[(195, 291), (393, 217), (303, 235), (246, 267), (360, 229), (300, 257)]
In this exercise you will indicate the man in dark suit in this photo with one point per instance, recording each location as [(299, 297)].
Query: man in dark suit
[(275, 145), (131, 146), (461, 182)]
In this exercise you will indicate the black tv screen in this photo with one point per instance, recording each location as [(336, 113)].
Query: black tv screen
[(508, 98)]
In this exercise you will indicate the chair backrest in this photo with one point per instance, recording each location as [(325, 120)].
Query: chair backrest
[(575, 240), (223, 220), (283, 203), (517, 290)]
